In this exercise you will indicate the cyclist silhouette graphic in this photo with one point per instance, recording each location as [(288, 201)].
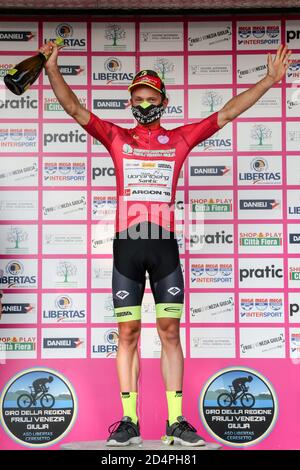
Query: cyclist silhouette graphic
[(39, 385), (38, 392), (238, 391), (239, 385)]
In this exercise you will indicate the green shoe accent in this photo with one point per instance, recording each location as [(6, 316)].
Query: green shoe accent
[(129, 405), (168, 310), (128, 313), (174, 399)]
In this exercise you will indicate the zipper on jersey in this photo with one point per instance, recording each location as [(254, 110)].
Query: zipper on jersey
[(149, 133)]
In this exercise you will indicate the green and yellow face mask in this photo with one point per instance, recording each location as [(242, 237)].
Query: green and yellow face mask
[(145, 113)]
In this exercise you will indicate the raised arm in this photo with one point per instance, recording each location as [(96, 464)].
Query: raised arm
[(61, 89), (277, 67)]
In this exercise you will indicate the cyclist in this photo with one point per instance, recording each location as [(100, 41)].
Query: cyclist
[(239, 384), (147, 160), (39, 385)]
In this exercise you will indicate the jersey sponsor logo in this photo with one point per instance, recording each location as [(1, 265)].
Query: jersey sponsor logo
[(148, 180), (129, 150), (163, 139)]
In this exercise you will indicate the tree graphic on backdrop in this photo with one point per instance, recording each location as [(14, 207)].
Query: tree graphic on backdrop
[(66, 269), (17, 235), (260, 132), (163, 66), (212, 99), (114, 32)]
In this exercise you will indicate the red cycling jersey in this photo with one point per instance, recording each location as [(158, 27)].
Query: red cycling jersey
[(147, 161)]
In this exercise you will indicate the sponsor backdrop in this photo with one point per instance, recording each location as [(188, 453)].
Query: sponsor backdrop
[(238, 206)]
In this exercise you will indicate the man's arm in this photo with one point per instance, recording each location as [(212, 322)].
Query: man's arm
[(61, 89), (240, 103)]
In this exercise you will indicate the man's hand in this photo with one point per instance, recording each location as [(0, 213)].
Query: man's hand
[(51, 49), (278, 66), (240, 103)]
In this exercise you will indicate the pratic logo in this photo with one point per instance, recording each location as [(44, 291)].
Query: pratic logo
[(14, 276), (294, 307), (217, 238), (103, 174), (64, 139), (109, 347), (113, 73), (16, 36), (261, 273), (259, 173), (64, 311), (292, 33), (16, 103)]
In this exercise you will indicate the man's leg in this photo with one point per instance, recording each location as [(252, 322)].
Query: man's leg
[(128, 366), (128, 284), (172, 364)]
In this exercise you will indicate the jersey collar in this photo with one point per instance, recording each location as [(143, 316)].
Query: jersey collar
[(154, 126)]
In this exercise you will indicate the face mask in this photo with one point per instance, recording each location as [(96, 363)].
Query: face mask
[(146, 112)]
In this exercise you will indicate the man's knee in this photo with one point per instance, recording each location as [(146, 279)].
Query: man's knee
[(129, 332), (168, 330)]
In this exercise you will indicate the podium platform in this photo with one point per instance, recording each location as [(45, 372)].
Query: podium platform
[(145, 445)]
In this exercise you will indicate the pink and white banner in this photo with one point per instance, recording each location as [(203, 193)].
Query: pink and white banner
[(238, 198)]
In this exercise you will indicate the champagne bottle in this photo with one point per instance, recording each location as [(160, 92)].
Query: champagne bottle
[(24, 74)]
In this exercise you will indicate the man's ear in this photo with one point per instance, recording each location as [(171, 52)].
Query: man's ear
[(165, 102)]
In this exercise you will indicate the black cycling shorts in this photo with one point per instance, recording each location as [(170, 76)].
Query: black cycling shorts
[(132, 257)]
